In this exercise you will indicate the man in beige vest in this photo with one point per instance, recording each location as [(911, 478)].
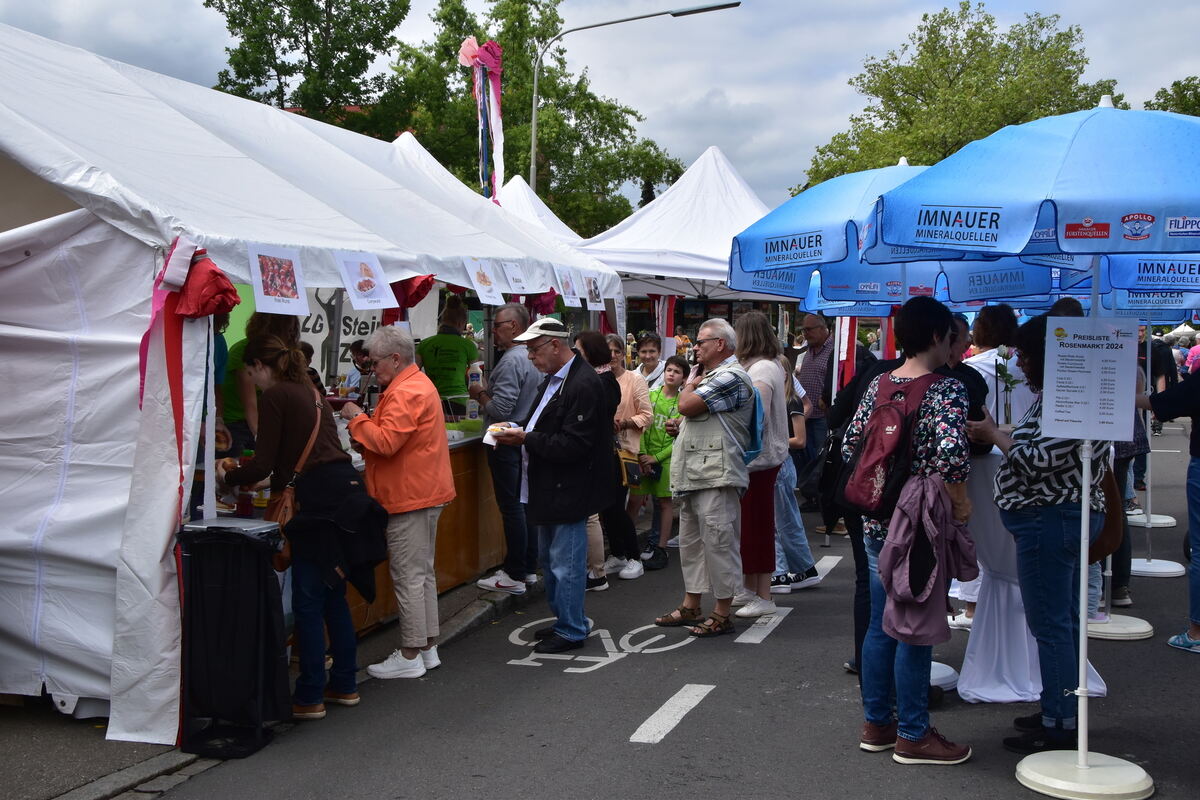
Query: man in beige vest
[(708, 475)]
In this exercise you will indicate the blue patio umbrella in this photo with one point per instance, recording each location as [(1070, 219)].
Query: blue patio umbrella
[(1102, 181), (1099, 181), (832, 222)]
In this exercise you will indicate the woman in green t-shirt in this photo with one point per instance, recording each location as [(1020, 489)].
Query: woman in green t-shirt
[(655, 455), (446, 356)]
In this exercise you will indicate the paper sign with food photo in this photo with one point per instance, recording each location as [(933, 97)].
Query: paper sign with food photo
[(278, 279), (483, 277), (516, 277), (566, 285), (591, 284), (366, 285)]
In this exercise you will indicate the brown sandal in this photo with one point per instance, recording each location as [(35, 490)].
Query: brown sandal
[(715, 625), (678, 617)]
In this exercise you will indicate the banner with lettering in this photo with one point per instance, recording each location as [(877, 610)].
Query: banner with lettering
[(1155, 273)]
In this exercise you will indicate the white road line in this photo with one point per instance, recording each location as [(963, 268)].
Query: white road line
[(1165, 451), (762, 627), (664, 720), (826, 565)]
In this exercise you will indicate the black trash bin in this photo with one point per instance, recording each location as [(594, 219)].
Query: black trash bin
[(235, 677)]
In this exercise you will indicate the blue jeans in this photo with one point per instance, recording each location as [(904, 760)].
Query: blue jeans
[(520, 539), (563, 550), (891, 668), (1193, 501), (318, 607), (792, 553), (1047, 539)]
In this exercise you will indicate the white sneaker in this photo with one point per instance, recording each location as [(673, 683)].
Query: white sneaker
[(531, 578), (430, 658), (673, 541), (960, 621), (500, 582), (613, 564), (757, 608), (633, 569), (397, 666), (743, 597)]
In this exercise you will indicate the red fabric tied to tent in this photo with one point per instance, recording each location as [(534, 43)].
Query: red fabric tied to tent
[(543, 303), (207, 290), (408, 292)]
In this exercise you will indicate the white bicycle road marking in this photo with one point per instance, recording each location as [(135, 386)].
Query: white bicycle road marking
[(664, 720), (630, 643)]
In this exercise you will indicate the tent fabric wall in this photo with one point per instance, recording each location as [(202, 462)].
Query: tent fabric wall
[(70, 326)]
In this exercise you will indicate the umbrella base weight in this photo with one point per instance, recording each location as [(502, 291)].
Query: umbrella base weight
[(1120, 628), (1157, 568), (943, 676), (1056, 774)]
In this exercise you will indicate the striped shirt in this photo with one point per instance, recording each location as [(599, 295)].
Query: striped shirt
[(1043, 471), (814, 374)]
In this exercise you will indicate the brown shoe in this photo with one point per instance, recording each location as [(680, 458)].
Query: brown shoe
[(315, 711), (350, 699), (877, 737), (932, 748)]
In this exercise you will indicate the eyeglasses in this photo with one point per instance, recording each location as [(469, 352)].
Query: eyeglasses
[(499, 322), (374, 362), (534, 347), (709, 339)]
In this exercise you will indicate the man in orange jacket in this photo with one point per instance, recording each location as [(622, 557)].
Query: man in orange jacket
[(408, 472)]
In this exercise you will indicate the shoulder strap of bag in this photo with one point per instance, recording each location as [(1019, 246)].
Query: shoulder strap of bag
[(312, 440), (721, 416)]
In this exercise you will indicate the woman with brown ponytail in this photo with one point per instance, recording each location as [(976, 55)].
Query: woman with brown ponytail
[(288, 408)]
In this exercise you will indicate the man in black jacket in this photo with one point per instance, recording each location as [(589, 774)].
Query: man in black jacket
[(566, 474)]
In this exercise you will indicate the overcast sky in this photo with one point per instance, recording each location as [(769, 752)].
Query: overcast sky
[(766, 82)]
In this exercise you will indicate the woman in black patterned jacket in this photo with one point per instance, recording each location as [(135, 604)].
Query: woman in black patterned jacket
[(1039, 489)]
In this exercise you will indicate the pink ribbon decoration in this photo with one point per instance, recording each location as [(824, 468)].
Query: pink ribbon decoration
[(485, 63)]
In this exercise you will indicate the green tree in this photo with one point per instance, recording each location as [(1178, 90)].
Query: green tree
[(587, 145), (958, 79), (1182, 97), (313, 54)]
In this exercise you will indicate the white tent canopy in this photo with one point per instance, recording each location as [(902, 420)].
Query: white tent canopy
[(517, 198), (679, 242), (441, 187), (157, 157), (103, 165)]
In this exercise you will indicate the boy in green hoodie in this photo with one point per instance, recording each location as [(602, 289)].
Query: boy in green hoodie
[(655, 458)]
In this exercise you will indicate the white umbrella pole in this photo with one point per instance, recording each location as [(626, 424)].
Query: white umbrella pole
[(1085, 519)]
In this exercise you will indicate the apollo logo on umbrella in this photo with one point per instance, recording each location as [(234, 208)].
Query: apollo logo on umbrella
[(1137, 226)]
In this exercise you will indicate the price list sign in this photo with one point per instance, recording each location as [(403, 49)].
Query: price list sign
[(1091, 366)]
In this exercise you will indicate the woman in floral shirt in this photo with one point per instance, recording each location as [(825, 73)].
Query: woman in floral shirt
[(926, 331)]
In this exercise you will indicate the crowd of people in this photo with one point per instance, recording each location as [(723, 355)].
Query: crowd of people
[(735, 443)]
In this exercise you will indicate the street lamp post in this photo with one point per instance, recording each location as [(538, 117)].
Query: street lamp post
[(678, 12)]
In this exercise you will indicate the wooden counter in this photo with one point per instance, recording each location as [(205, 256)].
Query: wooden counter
[(470, 537)]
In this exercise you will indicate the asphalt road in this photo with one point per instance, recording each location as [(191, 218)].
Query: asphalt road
[(781, 717)]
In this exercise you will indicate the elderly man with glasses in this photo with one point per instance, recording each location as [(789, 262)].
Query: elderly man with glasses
[(708, 476), (508, 396), (408, 472), (567, 458)]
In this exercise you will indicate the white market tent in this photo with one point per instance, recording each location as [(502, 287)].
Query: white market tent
[(679, 242), (103, 165), (517, 198)]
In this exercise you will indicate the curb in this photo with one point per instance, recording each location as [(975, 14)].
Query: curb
[(467, 608)]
